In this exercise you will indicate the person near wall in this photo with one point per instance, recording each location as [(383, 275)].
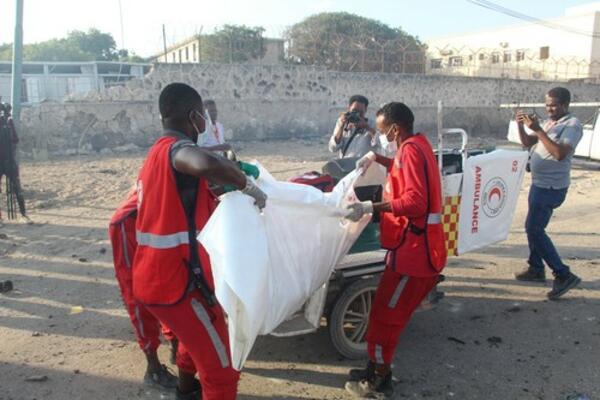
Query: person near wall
[(214, 137), (412, 232), (353, 135), (552, 146), (147, 328), (172, 276), (9, 166)]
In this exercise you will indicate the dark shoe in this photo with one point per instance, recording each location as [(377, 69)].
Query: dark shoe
[(193, 395), (174, 346), (162, 378), (357, 374), (376, 387), (530, 275), (6, 286), (562, 285)]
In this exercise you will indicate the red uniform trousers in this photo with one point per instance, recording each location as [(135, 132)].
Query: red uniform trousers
[(146, 326), (203, 332), (396, 299)]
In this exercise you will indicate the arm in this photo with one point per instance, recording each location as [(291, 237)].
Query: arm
[(218, 147), (202, 163), (386, 162), (338, 132), (527, 140), (413, 201), (557, 149)]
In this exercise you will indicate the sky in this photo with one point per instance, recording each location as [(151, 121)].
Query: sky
[(143, 19)]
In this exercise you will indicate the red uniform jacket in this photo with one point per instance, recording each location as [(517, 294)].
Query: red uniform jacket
[(160, 272), (413, 230)]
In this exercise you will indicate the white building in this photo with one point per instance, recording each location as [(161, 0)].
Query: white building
[(57, 80), (190, 51), (563, 48)]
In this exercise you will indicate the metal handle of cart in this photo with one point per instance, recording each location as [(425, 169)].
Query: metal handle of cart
[(445, 132)]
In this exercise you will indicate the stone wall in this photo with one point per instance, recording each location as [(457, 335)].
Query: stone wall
[(264, 102)]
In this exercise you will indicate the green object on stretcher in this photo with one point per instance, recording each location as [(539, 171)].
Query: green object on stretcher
[(248, 170), (368, 239)]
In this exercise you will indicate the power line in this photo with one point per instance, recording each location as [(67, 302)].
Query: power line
[(515, 14)]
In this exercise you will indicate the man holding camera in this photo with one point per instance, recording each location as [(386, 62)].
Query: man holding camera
[(552, 146), (353, 135)]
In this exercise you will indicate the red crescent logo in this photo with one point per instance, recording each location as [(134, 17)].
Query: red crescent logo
[(495, 191)]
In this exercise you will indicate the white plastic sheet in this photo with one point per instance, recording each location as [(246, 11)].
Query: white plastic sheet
[(266, 266)]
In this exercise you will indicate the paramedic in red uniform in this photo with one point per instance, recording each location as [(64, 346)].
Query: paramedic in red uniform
[(412, 232), (147, 328), (171, 270)]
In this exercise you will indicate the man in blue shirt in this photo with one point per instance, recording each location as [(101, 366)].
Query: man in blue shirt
[(552, 146)]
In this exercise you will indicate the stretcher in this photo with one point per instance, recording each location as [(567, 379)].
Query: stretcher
[(345, 301)]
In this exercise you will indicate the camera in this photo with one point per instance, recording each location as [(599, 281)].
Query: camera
[(353, 117)]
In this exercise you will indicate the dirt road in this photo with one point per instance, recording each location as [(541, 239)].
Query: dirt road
[(490, 338)]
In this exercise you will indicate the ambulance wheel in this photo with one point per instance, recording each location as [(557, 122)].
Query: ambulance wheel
[(349, 317)]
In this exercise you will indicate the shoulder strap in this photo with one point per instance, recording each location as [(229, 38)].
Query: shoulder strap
[(345, 149)]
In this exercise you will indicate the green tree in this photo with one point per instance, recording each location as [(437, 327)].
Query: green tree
[(349, 42), (232, 43), (92, 45)]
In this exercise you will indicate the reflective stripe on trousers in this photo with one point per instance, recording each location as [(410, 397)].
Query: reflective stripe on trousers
[(397, 292), (212, 332)]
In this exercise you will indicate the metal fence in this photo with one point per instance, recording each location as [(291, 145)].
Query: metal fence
[(341, 52), (534, 64)]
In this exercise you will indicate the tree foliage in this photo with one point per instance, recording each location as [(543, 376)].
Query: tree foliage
[(232, 43), (349, 42), (92, 45)]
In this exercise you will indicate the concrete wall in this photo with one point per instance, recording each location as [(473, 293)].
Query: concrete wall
[(264, 102)]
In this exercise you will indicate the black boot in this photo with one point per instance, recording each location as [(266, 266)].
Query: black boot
[(562, 284), (374, 387), (193, 395), (357, 374), (160, 378), (531, 275)]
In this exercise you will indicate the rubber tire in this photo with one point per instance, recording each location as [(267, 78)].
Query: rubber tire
[(336, 317)]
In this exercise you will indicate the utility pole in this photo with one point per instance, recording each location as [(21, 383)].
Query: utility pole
[(17, 64), (165, 42)]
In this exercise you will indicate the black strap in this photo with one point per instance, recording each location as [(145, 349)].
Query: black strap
[(194, 264), (345, 149)]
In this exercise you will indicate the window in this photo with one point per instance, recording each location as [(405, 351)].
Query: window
[(180, 55), (544, 53), (456, 61), (520, 55), (187, 53), (481, 56), (507, 56), (194, 52), (174, 57), (436, 63), (495, 58)]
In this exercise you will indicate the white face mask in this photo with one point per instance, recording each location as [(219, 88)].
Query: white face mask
[(389, 147), (201, 135)]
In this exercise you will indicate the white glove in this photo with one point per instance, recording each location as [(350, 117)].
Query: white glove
[(365, 161), (260, 197), (357, 210)]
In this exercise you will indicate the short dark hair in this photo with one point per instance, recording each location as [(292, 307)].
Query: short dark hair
[(398, 113), (177, 99), (360, 99), (210, 102), (561, 94)]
